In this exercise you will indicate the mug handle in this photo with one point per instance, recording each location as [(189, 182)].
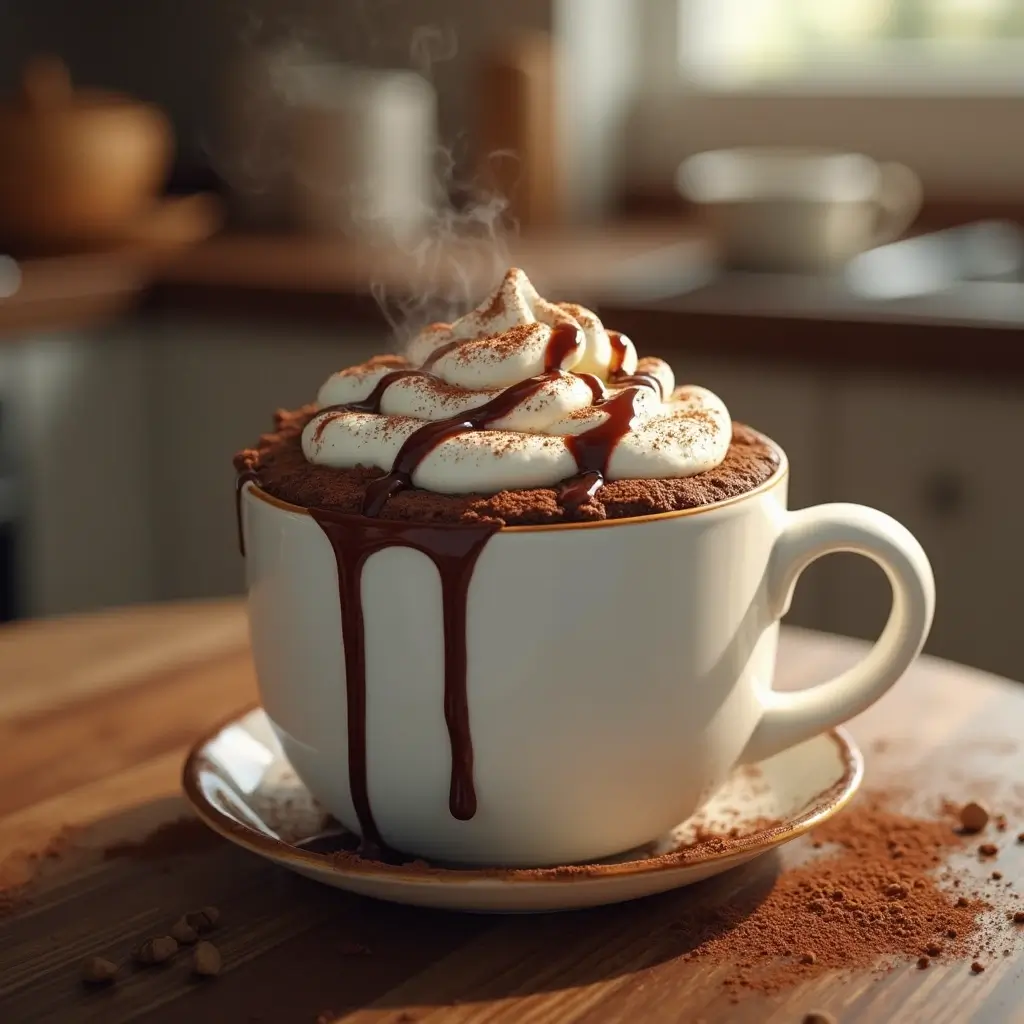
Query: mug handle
[(899, 199), (790, 717)]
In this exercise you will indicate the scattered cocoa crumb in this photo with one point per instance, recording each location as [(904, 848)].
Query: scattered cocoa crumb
[(988, 849), (997, 875), (204, 920), (1018, 917), (1000, 820), (1020, 837), (97, 970), (185, 835), (977, 967), (206, 961), (922, 962), (183, 933), (808, 958), (973, 817), (933, 949), (962, 901), (950, 933), (157, 950)]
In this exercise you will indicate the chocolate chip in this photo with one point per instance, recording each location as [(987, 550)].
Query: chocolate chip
[(977, 967), (933, 949), (922, 962), (157, 950), (809, 957), (206, 961), (204, 920), (1018, 917), (183, 933), (819, 1017), (988, 849), (97, 970)]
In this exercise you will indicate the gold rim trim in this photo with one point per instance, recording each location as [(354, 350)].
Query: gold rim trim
[(826, 804), (780, 474)]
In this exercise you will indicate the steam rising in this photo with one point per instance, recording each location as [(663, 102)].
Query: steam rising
[(460, 254), (463, 252)]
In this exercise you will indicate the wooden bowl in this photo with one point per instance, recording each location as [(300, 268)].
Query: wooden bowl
[(78, 166)]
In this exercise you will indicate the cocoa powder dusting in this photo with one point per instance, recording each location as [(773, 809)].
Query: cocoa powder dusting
[(172, 839), (869, 900)]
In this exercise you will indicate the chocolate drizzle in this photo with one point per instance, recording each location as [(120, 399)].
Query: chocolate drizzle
[(454, 550), (566, 339), (593, 449), (247, 476), (618, 343)]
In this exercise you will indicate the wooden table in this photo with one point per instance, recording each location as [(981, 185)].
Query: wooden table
[(96, 714)]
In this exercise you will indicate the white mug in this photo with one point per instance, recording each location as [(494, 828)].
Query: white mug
[(794, 209), (617, 671)]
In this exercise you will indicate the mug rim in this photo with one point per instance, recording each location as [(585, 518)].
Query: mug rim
[(780, 474)]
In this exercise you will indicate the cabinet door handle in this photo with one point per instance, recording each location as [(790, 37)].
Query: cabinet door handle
[(945, 494)]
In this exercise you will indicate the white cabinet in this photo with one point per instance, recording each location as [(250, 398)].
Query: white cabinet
[(79, 408), (947, 460)]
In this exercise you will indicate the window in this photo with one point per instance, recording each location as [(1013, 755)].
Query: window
[(872, 46)]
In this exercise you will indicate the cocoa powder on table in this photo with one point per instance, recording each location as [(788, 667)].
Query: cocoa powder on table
[(21, 868), (869, 900), (171, 839)]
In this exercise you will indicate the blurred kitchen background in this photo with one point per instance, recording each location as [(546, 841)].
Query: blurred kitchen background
[(851, 282)]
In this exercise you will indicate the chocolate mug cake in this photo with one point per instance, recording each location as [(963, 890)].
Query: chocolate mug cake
[(524, 415)]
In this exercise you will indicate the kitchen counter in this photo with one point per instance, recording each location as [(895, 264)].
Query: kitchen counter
[(653, 279)]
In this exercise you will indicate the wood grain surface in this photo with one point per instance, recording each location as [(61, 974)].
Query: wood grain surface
[(96, 715)]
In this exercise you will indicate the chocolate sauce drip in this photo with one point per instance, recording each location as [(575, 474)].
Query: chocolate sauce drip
[(566, 338), (580, 489), (454, 550), (371, 403), (596, 385), (643, 380), (442, 350), (618, 342), (419, 444), (593, 449), (247, 476)]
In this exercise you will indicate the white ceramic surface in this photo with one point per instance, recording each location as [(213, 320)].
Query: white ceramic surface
[(240, 784), (799, 209), (603, 659)]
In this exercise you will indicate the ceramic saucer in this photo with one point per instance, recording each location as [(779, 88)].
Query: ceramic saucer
[(241, 785)]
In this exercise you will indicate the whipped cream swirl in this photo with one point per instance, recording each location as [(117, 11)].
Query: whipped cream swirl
[(520, 393)]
